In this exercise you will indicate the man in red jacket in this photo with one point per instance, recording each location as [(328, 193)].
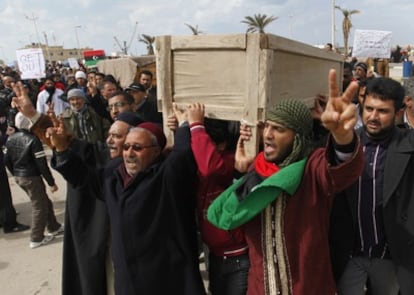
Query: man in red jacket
[(284, 201)]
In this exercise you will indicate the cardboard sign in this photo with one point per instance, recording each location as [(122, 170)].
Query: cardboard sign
[(73, 63), (31, 63), (371, 43)]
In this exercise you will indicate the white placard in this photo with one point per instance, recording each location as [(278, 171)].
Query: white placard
[(31, 63), (73, 63), (372, 43)]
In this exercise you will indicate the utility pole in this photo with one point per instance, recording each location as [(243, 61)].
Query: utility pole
[(77, 40), (34, 19), (47, 47), (333, 25)]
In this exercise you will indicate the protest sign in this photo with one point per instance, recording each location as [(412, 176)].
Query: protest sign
[(372, 43), (73, 63), (31, 63)]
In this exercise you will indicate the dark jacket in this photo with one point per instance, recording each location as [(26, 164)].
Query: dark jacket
[(25, 156), (148, 111), (153, 235), (86, 239), (398, 212)]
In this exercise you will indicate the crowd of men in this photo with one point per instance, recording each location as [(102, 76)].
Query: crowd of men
[(326, 206)]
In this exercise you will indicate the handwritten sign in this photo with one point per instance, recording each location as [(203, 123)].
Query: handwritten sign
[(31, 63), (371, 43), (73, 63)]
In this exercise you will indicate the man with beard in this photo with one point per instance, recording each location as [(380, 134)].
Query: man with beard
[(372, 222), (51, 96), (82, 120), (283, 203)]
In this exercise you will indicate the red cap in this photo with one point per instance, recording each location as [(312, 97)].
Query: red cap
[(157, 131)]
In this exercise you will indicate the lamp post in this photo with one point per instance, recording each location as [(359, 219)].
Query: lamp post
[(77, 38), (47, 47), (333, 25), (3, 55), (33, 19)]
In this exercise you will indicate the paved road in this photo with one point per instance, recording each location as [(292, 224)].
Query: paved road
[(25, 271)]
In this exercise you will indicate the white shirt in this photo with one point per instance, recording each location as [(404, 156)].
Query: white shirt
[(59, 104)]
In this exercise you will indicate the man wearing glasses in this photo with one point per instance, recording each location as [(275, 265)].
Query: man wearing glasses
[(119, 103), (151, 211)]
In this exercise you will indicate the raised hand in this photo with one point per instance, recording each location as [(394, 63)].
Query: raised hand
[(59, 137), (22, 101), (180, 114), (242, 160), (340, 115), (195, 113)]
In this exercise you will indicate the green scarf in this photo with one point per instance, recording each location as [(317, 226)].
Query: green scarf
[(227, 212)]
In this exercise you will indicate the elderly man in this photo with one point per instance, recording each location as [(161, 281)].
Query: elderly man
[(284, 201), (86, 220), (153, 236), (82, 119)]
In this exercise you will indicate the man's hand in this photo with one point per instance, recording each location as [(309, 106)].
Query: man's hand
[(58, 136), (340, 115), (195, 113), (180, 114), (242, 160), (22, 101), (172, 123), (319, 105)]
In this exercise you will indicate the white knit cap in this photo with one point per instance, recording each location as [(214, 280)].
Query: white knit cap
[(80, 74)]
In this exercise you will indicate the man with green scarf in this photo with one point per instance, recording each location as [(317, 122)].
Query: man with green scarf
[(284, 201)]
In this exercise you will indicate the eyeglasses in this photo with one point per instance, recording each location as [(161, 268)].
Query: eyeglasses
[(116, 105), (136, 147)]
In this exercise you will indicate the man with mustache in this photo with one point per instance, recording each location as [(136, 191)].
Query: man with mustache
[(85, 267), (151, 212), (372, 223)]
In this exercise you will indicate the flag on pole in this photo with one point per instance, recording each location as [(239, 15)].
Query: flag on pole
[(93, 56)]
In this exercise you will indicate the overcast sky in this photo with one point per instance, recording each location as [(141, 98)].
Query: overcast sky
[(97, 22)]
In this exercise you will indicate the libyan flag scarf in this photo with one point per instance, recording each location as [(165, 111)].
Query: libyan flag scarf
[(250, 195)]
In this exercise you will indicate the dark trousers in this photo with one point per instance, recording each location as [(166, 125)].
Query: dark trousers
[(43, 215), (7, 211), (381, 273), (228, 275)]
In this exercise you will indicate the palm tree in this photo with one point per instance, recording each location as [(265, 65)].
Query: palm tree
[(346, 25), (149, 41), (258, 22), (194, 30)]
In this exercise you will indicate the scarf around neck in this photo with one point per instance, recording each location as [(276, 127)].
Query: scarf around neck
[(251, 194)]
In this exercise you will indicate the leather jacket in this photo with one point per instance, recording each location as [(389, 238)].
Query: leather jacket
[(26, 157)]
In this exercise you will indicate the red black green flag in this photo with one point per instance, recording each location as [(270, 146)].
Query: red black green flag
[(93, 56)]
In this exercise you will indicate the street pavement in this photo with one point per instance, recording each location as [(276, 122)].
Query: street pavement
[(25, 271)]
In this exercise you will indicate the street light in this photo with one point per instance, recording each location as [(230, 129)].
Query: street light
[(333, 25), (47, 46), (77, 38), (3, 55), (33, 19)]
